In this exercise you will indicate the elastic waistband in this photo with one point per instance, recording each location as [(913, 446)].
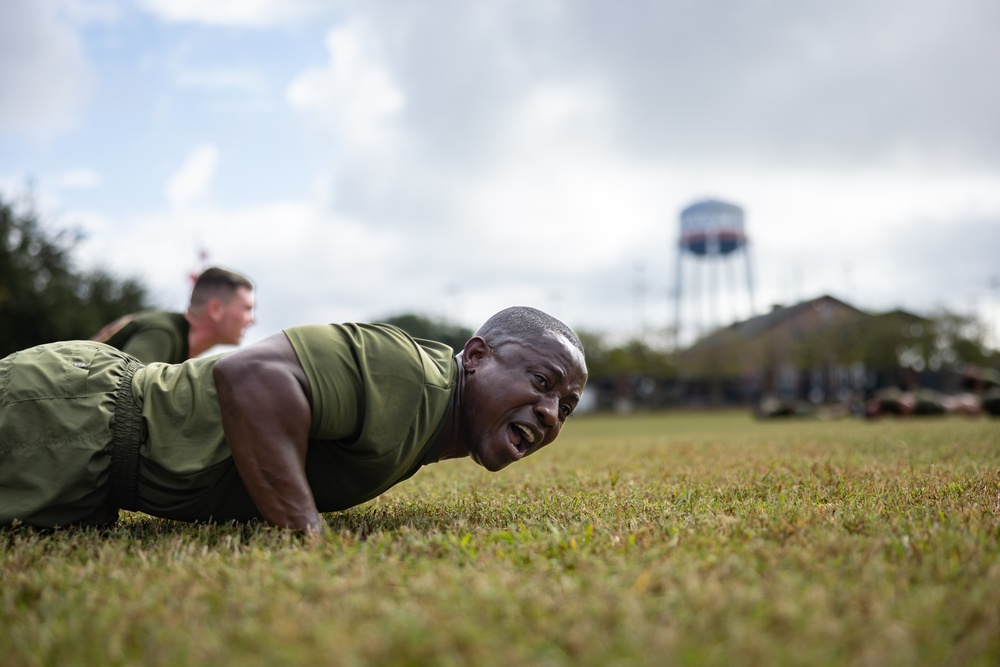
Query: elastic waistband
[(126, 437)]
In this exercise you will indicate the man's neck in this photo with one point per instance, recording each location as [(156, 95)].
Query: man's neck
[(452, 446), (201, 337)]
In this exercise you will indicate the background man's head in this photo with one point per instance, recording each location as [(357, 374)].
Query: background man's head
[(224, 300)]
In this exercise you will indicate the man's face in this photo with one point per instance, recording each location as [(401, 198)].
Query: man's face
[(235, 316), (516, 398)]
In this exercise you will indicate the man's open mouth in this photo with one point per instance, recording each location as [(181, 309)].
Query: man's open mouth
[(523, 437)]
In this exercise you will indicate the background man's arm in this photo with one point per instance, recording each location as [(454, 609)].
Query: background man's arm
[(264, 398)]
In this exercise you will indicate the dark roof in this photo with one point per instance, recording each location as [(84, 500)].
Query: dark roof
[(781, 314), (828, 307)]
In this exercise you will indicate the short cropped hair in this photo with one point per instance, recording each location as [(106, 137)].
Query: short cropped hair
[(519, 323), (217, 283)]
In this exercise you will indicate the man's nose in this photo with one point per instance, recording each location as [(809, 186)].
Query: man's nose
[(548, 408)]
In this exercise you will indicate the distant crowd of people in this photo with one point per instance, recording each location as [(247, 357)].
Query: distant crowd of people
[(921, 401), (980, 394)]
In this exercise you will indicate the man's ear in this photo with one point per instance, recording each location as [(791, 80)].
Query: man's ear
[(214, 308), (474, 352)]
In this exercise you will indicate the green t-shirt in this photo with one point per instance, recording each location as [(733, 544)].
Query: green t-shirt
[(378, 396), (150, 336)]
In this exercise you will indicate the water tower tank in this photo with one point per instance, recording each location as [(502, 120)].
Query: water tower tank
[(712, 227)]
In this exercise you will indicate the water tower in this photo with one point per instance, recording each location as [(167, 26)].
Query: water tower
[(712, 240)]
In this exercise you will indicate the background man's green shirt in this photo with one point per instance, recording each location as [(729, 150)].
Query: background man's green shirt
[(151, 336)]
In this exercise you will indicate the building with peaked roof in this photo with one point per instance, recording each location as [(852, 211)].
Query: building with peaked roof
[(820, 350)]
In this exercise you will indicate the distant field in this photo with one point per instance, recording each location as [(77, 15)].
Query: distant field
[(677, 539)]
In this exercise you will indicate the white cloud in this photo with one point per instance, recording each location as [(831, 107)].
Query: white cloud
[(44, 73), (558, 214), (192, 181), (355, 95), (559, 117), (246, 13)]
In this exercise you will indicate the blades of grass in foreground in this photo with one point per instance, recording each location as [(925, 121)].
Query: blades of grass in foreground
[(688, 539)]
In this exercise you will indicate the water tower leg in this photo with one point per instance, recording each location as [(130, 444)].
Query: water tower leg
[(746, 259), (677, 302)]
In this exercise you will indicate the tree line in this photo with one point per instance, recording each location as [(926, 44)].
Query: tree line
[(44, 295)]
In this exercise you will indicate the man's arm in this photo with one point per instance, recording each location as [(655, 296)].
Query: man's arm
[(265, 401)]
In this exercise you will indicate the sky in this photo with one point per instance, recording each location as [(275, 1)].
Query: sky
[(360, 160)]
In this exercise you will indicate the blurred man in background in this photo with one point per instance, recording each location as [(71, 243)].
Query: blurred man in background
[(220, 310)]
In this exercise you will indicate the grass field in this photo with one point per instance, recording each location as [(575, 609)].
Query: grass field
[(677, 539)]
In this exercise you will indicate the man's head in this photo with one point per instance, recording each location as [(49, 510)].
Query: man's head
[(523, 374), (224, 301)]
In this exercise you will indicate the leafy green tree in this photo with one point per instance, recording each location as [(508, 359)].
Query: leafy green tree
[(633, 357), (428, 328), (598, 355), (959, 340), (43, 297)]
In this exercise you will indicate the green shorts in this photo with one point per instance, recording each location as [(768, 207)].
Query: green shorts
[(57, 433)]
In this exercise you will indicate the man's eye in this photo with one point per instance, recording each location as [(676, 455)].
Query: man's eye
[(566, 409), (540, 379)]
